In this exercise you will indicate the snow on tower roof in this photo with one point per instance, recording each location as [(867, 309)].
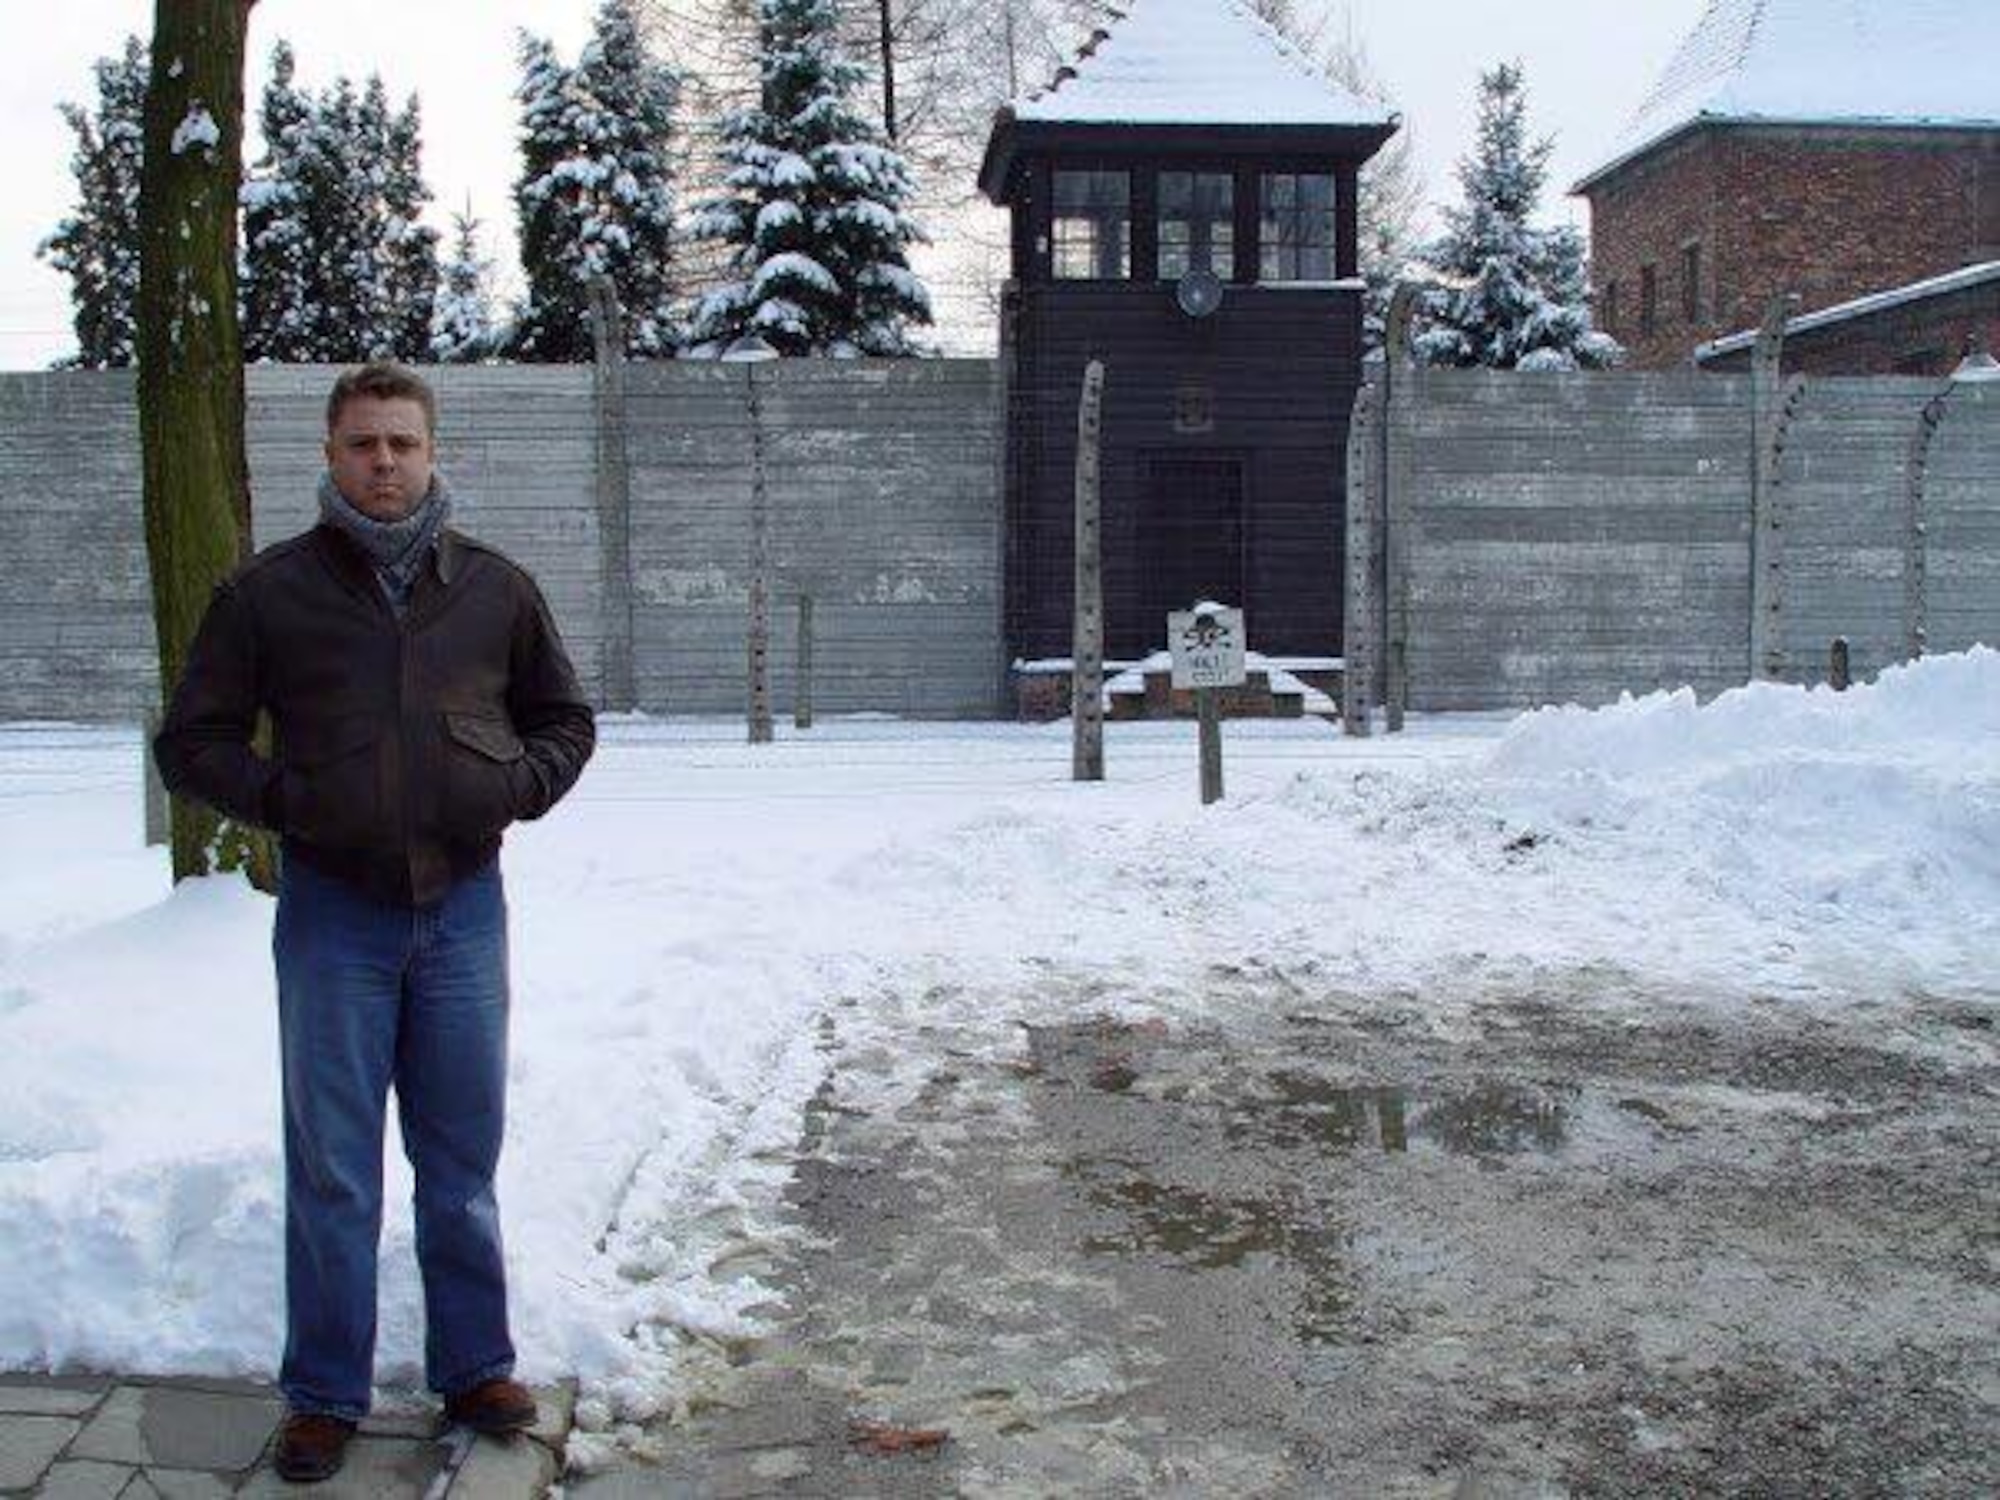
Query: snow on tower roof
[(1813, 62), (1194, 62)]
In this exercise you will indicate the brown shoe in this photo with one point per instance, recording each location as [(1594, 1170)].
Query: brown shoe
[(494, 1407), (311, 1446)]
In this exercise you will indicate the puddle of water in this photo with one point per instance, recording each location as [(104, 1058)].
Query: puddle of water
[(1207, 1232), (1486, 1120), (1211, 1233)]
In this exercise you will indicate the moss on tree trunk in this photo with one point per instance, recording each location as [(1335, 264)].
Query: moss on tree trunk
[(197, 478)]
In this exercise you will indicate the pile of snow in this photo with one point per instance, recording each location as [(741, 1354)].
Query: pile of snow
[(684, 922)]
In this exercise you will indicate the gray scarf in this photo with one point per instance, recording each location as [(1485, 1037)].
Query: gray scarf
[(397, 548)]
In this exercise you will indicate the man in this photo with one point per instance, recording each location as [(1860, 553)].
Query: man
[(420, 700)]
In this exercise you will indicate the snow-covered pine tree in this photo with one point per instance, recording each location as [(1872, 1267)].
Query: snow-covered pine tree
[(365, 141), (1508, 295), (97, 246), (276, 275), (462, 329), (336, 265), (596, 195), (814, 209), (410, 246), (550, 322)]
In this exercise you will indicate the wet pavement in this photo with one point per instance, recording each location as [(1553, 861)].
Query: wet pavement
[(1523, 1246)]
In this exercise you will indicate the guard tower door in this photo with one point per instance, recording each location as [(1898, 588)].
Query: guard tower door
[(1192, 536)]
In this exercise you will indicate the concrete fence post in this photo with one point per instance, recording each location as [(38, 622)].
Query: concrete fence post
[(1359, 646), (802, 685), (1837, 671), (760, 729), (1398, 384), (614, 499), (1916, 526), (1773, 402), (1087, 641)]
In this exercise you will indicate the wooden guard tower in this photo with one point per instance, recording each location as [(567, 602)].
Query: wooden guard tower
[(1183, 207)]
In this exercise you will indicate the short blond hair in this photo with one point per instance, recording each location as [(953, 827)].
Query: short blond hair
[(384, 380)]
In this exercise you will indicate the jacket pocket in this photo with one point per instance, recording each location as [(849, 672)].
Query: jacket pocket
[(332, 786), (481, 753)]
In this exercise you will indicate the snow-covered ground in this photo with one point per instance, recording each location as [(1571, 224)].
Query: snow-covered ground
[(682, 919)]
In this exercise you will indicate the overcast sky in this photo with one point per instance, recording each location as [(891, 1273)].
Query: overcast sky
[(1588, 61)]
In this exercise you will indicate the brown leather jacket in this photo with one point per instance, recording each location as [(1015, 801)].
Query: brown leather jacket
[(402, 747)]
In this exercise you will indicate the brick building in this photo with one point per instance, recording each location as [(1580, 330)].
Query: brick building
[(1926, 328), (1834, 149)]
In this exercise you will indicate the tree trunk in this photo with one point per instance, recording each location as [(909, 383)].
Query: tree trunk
[(888, 73), (197, 479)]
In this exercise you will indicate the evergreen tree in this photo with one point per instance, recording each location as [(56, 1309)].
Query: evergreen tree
[(462, 329), (337, 265), (595, 195), (97, 247), (814, 212), (551, 322), (409, 246), (279, 295), (1509, 295)]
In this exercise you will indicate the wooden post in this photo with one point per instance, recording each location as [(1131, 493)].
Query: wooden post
[(760, 572), (1211, 744), (1087, 648), (1836, 667), (159, 828), (614, 496), (802, 687)]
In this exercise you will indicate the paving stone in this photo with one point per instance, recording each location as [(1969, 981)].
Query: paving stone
[(197, 1429), (35, 1399), (180, 1427), (376, 1469), (28, 1445), (556, 1405), (221, 1385), (85, 1481), (113, 1435), (181, 1484), (504, 1469), (402, 1415)]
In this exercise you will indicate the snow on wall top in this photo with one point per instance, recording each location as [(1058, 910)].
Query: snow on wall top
[(1915, 291), (1195, 62), (1904, 62)]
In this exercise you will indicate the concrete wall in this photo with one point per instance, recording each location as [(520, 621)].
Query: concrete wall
[(883, 481), (1571, 536), (883, 487)]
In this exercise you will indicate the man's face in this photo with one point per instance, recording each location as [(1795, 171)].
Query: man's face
[(380, 455)]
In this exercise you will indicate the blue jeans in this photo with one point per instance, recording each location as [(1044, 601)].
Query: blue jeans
[(369, 995)]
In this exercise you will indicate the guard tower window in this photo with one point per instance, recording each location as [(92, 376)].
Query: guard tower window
[(1297, 227), (1093, 222), (1197, 224)]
